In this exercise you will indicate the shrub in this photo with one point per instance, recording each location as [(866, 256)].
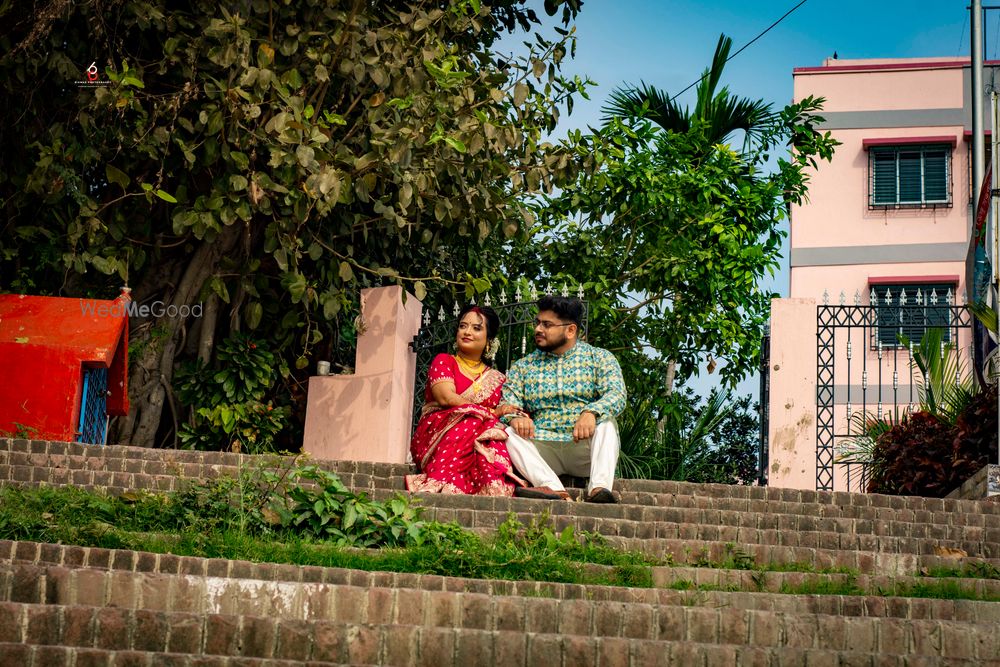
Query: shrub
[(914, 458)]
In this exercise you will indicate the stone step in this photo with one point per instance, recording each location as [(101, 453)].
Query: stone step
[(39, 655), (861, 552), (701, 526), (775, 582), (196, 464), (776, 638), (125, 578), (640, 522), (615, 612)]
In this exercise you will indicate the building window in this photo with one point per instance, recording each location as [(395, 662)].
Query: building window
[(910, 310), (917, 175)]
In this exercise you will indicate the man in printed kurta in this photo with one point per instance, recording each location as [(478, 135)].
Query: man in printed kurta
[(567, 394)]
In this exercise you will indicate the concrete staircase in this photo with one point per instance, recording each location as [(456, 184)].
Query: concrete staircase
[(70, 605)]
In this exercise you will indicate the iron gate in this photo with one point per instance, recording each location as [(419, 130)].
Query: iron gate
[(868, 349)]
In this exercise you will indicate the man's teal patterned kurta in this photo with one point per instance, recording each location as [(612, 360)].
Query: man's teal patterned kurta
[(555, 389)]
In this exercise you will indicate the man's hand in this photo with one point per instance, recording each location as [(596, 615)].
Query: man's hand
[(524, 427), (585, 426)]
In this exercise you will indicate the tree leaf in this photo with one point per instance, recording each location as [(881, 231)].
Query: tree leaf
[(165, 196), (116, 176), (456, 144)]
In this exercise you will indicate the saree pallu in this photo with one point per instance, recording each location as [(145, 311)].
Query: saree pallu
[(462, 449)]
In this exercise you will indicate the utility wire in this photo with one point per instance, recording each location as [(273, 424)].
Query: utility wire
[(961, 33), (743, 48)]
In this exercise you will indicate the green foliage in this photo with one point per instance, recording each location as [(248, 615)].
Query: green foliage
[(280, 156), (691, 228), (328, 510), (935, 449), (229, 411), (678, 439), (944, 385)]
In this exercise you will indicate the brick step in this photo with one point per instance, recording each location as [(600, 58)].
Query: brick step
[(694, 632), (700, 526), (776, 582), (196, 464), (695, 552), (655, 523), (619, 613), (624, 519), (37, 655)]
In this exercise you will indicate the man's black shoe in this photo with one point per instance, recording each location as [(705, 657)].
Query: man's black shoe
[(601, 495)]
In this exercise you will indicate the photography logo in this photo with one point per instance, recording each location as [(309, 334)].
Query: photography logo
[(92, 78)]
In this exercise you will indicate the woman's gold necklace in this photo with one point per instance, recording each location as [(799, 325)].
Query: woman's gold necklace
[(469, 366)]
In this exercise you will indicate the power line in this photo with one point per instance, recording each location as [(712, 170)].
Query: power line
[(961, 34), (743, 48)]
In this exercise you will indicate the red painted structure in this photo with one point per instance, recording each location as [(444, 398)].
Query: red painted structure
[(45, 343)]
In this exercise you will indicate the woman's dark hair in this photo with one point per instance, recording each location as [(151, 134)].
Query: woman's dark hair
[(489, 315), (567, 308)]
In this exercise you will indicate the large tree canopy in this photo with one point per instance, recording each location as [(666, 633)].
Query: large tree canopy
[(673, 235), (268, 158)]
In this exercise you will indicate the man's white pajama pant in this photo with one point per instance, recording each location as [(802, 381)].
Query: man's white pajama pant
[(542, 461)]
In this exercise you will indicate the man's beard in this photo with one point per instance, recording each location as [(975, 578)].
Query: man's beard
[(550, 345)]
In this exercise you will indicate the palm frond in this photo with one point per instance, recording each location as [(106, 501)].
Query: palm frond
[(649, 102)]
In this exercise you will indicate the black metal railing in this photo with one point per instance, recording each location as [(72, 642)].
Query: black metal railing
[(858, 372)]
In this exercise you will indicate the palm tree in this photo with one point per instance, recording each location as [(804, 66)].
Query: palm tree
[(720, 113), (715, 112)]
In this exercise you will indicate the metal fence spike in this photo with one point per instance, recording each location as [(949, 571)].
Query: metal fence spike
[(902, 299), (843, 297), (873, 298), (949, 298), (965, 297), (456, 309), (518, 296), (441, 314), (533, 293), (579, 291), (857, 297), (565, 291), (934, 297), (487, 301), (427, 318), (888, 297), (826, 298), (920, 297)]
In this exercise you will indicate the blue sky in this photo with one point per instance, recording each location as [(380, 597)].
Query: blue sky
[(667, 43)]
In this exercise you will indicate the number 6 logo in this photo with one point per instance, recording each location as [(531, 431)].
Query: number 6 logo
[(92, 72)]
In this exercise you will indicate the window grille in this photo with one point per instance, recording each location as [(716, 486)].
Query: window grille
[(93, 406), (910, 310), (902, 176)]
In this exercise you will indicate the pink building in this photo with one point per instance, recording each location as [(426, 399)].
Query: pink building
[(889, 217)]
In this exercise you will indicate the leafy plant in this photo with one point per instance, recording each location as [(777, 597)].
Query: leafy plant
[(944, 386), (328, 510), (228, 408), (676, 438)]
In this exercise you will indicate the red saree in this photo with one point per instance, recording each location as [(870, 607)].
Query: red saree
[(461, 449)]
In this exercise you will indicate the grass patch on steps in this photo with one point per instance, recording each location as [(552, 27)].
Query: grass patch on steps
[(219, 520)]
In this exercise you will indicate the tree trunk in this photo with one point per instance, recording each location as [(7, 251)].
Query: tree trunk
[(152, 372), (206, 341), (671, 374)]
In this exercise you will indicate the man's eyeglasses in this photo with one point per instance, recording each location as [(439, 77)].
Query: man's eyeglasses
[(545, 324)]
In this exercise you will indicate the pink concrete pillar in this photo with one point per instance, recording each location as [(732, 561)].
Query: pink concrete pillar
[(367, 416), (792, 411)]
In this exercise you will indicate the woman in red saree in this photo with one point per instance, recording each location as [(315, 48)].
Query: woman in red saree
[(459, 442)]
